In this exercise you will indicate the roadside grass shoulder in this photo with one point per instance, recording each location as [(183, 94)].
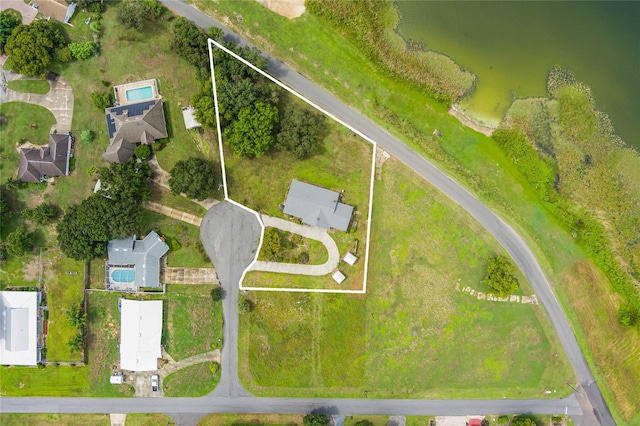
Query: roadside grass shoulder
[(15, 419), (193, 381), (366, 420), (63, 291), (38, 87), (163, 196), (192, 322), (18, 128), (251, 419), (180, 236), (149, 419)]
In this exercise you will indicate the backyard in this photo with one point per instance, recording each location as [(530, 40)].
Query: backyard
[(396, 341)]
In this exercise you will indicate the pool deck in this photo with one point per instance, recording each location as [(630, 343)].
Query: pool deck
[(120, 91)]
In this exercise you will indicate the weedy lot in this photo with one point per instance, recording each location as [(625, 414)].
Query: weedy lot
[(398, 340), (196, 380)]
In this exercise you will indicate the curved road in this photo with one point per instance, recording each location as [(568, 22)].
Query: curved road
[(588, 396)]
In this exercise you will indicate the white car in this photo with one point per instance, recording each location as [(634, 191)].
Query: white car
[(154, 382)]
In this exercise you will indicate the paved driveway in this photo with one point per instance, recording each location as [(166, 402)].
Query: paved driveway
[(28, 13)]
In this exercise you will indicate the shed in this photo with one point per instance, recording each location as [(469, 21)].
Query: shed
[(350, 258), (116, 379), (338, 277), (140, 334), (189, 115)]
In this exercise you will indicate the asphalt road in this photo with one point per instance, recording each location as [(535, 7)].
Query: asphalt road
[(582, 401)]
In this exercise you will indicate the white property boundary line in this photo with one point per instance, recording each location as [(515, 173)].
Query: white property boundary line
[(224, 173)]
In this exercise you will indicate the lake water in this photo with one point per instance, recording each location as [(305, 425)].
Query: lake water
[(511, 46)]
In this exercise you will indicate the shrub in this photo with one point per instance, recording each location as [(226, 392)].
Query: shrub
[(214, 367), (84, 50), (43, 214), (63, 55), (244, 305), (194, 177), (87, 136), (627, 316), (91, 170), (143, 152), (316, 420), (19, 242), (303, 258), (216, 293), (102, 100), (500, 276), (271, 244)]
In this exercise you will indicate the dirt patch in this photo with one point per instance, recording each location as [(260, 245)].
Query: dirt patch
[(470, 122), (287, 8), (381, 157), (31, 270)]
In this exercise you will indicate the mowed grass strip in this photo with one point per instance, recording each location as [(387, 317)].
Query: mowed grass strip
[(193, 381), (38, 87), (164, 196), (55, 419), (24, 123), (251, 419), (63, 290), (53, 380), (192, 321), (398, 339)]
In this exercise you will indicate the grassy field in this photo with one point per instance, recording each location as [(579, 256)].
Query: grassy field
[(336, 64), (192, 321), (103, 320), (38, 87), (180, 236), (17, 129), (196, 380), (50, 381), (137, 419), (251, 419), (63, 291), (55, 419), (293, 244), (398, 340)]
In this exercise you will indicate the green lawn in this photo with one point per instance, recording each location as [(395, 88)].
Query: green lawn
[(63, 291), (192, 321), (51, 381), (18, 129), (38, 87), (20, 271), (251, 419), (196, 380), (292, 245), (155, 419), (55, 419), (180, 236), (163, 196), (397, 340)]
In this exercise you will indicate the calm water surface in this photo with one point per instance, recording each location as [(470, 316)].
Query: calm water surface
[(511, 46)]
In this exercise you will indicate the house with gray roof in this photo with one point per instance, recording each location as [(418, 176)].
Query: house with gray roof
[(132, 124), (52, 160), (317, 206), (134, 263)]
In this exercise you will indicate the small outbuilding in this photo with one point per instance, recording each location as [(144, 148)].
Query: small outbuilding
[(350, 258), (190, 121), (338, 277)]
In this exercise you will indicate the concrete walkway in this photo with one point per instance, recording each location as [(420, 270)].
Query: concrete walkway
[(173, 213), (312, 232), (161, 178), (59, 99), (188, 276)]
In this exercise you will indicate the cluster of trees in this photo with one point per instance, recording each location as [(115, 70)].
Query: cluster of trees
[(500, 276), (31, 48), (8, 22), (248, 103), (133, 13), (193, 177), (114, 212), (77, 318)]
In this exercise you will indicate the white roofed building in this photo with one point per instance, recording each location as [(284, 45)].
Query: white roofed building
[(19, 328), (140, 334)]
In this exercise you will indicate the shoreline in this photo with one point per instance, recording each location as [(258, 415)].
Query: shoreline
[(468, 121)]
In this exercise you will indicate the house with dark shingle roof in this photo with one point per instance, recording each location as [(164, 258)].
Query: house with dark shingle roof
[(132, 124), (51, 160), (134, 263), (317, 206)]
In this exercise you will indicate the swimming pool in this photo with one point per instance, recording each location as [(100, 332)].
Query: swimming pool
[(139, 94), (123, 275)]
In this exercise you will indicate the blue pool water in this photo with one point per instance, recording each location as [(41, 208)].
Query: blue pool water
[(139, 94), (123, 275)]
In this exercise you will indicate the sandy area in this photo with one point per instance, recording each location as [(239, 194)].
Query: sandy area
[(287, 8), (470, 122)]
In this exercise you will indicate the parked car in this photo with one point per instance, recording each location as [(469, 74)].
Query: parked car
[(154, 382)]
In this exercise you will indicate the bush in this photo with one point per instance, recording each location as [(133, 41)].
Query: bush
[(63, 55), (91, 170), (500, 276), (216, 294), (214, 367), (143, 152), (44, 214), (194, 177), (102, 100), (84, 50), (271, 244), (244, 305), (315, 420), (627, 316), (87, 136), (303, 258), (19, 242)]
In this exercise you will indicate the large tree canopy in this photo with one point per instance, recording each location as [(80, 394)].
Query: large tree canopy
[(193, 177), (8, 22), (31, 47), (85, 229), (500, 277), (130, 181), (251, 134), (301, 132)]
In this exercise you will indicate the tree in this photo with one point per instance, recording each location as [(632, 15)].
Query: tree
[(193, 177), (84, 50), (522, 421), (85, 229), (19, 242), (8, 22), (143, 152), (31, 47), (85, 4), (86, 136), (76, 344), (301, 132), (126, 182), (216, 293), (102, 100), (202, 102), (190, 41), (43, 214), (131, 13), (76, 316), (500, 276), (251, 134), (271, 244), (5, 208), (316, 420)]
